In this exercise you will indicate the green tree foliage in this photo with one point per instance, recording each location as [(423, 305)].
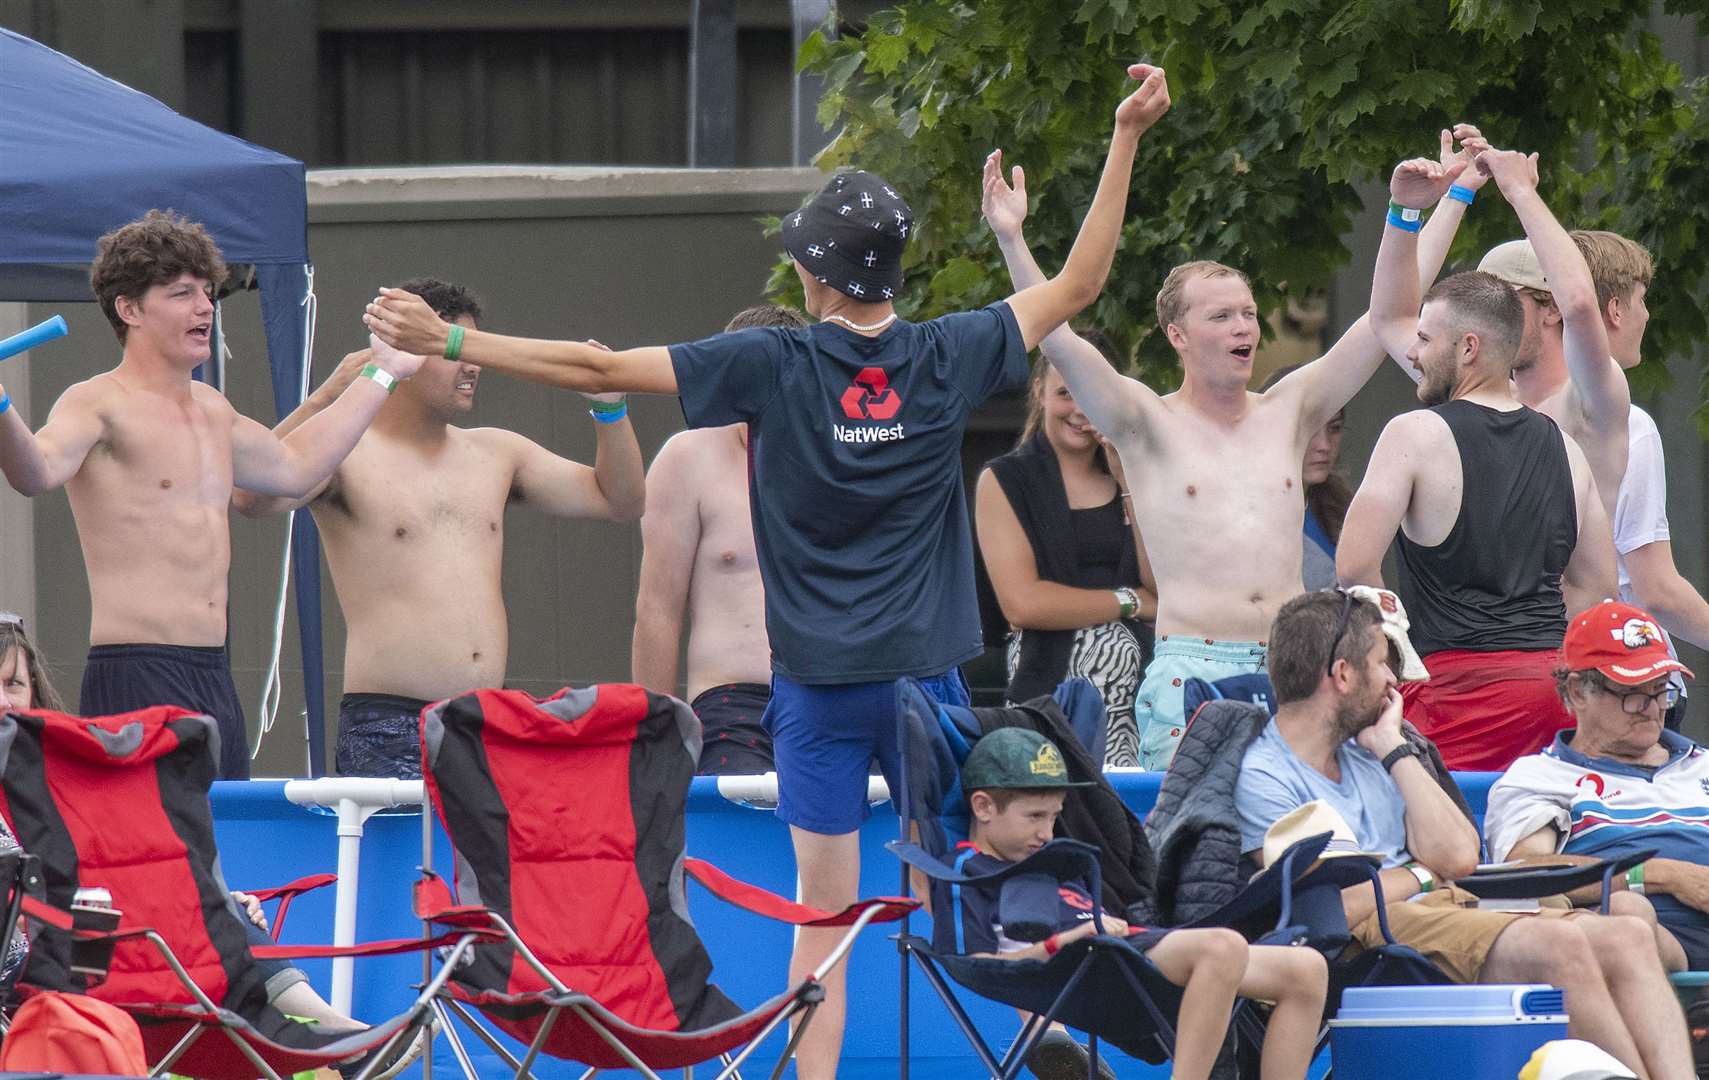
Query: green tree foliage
[(1282, 107)]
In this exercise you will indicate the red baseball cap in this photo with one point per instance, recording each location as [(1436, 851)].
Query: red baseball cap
[(1622, 642)]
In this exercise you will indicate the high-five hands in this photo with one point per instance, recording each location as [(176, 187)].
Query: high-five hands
[(1513, 170), (1472, 143), (1145, 106), (1004, 207), (404, 321), (1420, 182), (401, 364)]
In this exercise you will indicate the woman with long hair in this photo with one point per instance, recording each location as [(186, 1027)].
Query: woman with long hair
[(1327, 496), (1055, 530)]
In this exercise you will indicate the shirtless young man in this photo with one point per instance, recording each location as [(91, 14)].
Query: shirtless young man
[(1502, 533), (1564, 369), (698, 559), (860, 517), (149, 458), (413, 522), (1213, 469)]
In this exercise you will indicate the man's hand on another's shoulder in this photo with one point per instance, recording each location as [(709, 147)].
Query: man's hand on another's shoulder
[(399, 363), (1382, 737), (1145, 106), (1514, 172), (1420, 183)]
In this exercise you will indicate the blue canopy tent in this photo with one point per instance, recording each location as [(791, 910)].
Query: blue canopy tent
[(80, 155)]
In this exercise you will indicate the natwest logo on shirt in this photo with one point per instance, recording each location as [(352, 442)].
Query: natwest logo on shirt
[(869, 397)]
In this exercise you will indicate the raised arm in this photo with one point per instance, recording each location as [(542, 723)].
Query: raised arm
[(1380, 505), (1047, 305), (1114, 400), (251, 504), (1597, 380), (1395, 291), (615, 489), (405, 321), (295, 465), (1590, 576), (43, 461), (670, 535)]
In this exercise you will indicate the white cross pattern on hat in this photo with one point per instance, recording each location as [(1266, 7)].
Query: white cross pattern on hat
[(797, 221), (904, 232), (890, 193), (871, 258), (856, 289), (887, 293), (845, 211), (865, 200), (815, 250), (900, 219)]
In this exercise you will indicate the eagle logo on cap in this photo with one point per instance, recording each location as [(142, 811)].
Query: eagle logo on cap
[(1047, 762), (1637, 633)]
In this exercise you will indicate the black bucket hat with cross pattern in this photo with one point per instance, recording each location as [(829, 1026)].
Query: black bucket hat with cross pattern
[(850, 236)]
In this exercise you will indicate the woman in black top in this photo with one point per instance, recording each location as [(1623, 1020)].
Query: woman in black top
[(1055, 532)]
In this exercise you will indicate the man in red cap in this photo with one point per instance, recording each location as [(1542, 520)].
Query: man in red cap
[(1620, 782)]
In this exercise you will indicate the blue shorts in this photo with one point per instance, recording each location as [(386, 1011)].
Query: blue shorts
[(825, 739), (1158, 711)]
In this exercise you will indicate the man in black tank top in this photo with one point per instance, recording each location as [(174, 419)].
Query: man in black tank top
[(1499, 532)]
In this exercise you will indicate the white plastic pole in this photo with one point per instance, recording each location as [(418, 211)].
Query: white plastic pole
[(355, 799)]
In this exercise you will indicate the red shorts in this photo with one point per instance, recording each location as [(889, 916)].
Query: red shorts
[(1485, 709)]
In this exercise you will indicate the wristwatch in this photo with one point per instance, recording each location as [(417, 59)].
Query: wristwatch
[(1394, 757)]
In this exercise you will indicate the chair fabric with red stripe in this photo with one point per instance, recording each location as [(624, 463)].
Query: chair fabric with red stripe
[(567, 816), (122, 802)]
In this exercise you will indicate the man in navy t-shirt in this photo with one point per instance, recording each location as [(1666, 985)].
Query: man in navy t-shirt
[(859, 516)]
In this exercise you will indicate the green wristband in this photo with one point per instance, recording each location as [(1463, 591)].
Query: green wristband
[(1635, 879), (388, 382), (454, 341), (595, 405)]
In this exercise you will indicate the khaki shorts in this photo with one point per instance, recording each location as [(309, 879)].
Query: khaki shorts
[(1450, 930)]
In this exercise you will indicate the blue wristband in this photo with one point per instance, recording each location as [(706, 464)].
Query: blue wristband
[(1401, 223), (610, 416), (5, 402), (1464, 194)]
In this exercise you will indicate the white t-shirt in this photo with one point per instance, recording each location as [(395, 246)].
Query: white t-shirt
[(1640, 510)]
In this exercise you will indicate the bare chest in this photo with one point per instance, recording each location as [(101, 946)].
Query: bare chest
[(164, 452), (1211, 472), (726, 526), (390, 497)]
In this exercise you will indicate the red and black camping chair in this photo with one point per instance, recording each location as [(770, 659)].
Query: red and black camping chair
[(121, 802), (536, 852)]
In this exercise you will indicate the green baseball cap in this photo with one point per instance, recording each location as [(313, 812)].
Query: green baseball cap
[(1018, 758)]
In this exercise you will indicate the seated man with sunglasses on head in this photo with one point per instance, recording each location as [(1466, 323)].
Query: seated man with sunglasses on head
[(1619, 782)]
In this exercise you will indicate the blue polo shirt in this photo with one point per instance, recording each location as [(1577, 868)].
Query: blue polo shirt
[(860, 515)]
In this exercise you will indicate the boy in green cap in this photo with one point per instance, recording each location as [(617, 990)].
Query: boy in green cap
[(1015, 780)]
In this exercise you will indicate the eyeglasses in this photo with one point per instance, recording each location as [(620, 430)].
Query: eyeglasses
[(1340, 628), (1633, 703)]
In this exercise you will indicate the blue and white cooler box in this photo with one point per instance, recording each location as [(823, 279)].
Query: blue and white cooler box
[(1428, 1032)]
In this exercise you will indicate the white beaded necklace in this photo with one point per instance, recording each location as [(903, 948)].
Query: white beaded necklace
[(857, 327)]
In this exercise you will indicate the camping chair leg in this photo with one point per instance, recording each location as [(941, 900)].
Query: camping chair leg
[(902, 950), (458, 1051), (1091, 1057), (807, 999), (485, 1036), (959, 1015), (598, 1028), (1030, 1033), (164, 1065), (1165, 1030), (794, 1043), (539, 1041)]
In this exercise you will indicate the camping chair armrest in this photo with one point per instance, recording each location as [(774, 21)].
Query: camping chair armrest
[(769, 904), (288, 892), (386, 947), (1061, 860), (1528, 883)]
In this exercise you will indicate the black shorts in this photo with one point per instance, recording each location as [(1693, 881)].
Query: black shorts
[(732, 741), (125, 678), (379, 735)]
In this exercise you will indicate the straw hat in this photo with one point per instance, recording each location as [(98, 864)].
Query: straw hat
[(1312, 819)]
